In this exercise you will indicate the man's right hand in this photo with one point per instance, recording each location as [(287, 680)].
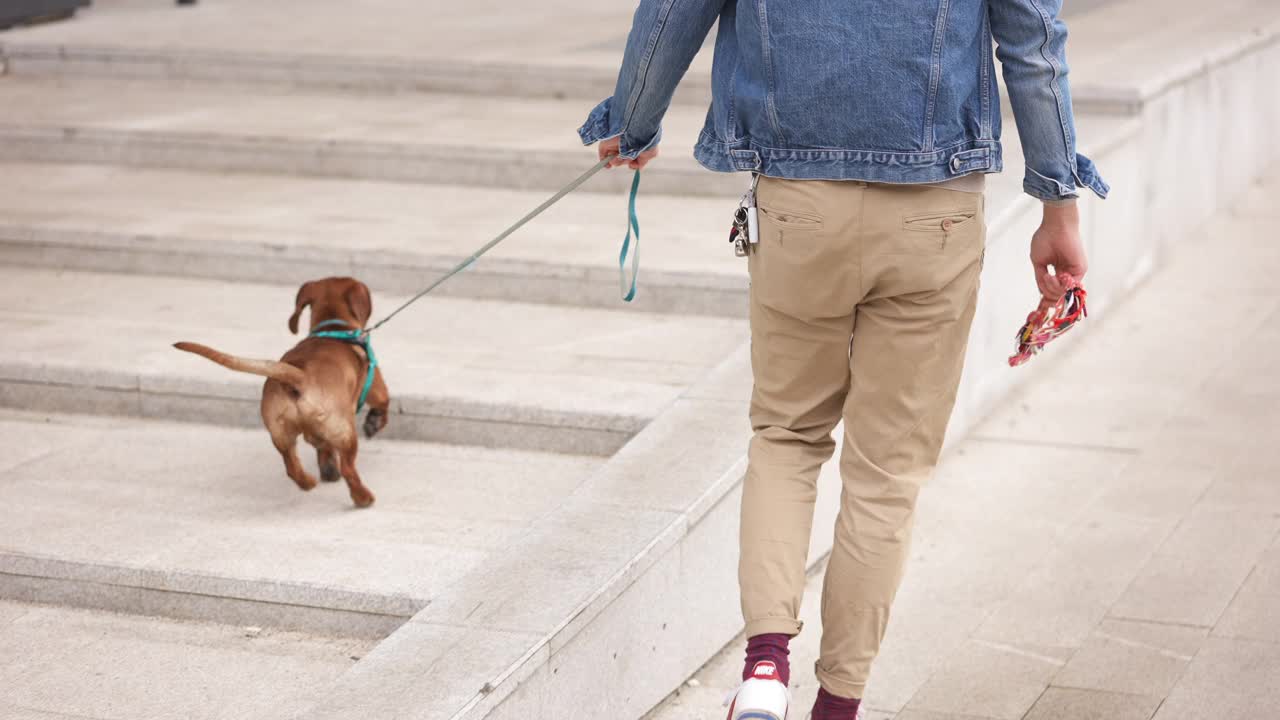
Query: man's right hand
[(1057, 243), (610, 147)]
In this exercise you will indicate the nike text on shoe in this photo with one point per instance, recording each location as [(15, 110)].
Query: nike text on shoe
[(760, 697)]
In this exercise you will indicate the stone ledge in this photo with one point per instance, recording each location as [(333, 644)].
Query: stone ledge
[(179, 581), (1116, 69)]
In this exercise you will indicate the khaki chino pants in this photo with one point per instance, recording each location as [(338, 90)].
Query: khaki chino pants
[(861, 300)]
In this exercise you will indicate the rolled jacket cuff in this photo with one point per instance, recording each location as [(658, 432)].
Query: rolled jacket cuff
[(600, 125), (1087, 175), (630, 148), (596, 128), (1084, 174)]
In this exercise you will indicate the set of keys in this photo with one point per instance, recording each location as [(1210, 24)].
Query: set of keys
[(746, 224)]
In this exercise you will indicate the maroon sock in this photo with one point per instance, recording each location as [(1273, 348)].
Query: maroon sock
[(771, 648), (830, 707)]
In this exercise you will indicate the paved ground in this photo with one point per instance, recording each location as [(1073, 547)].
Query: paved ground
[(1108, 546)]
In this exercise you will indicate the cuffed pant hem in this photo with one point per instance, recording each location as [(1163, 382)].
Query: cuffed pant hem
[(838, 687), (768, 625)]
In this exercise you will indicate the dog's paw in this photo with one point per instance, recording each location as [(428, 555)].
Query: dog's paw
[(362, 499), (374, 421), (329, 472)]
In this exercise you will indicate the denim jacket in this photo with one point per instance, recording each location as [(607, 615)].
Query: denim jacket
[(897, 91)]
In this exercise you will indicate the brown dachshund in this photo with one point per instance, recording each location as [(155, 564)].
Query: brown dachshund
[(313, 390)]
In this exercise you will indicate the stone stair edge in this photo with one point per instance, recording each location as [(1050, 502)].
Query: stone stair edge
[(429, 263), (346, 158), (491, 426), (247, 389), (1105, 98), (355, 73), (276, 592)]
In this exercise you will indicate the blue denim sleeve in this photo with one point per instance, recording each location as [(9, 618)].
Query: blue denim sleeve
[(665, 37), (1031, 44)]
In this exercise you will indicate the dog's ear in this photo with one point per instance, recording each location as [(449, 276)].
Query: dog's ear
[(306, 296), (360, 302)]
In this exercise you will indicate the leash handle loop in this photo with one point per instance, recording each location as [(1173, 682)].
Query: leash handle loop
[(633, 224)]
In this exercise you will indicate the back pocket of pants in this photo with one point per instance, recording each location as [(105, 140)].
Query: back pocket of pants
[(938, 222)]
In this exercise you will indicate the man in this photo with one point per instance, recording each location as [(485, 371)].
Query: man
[(870, 124)]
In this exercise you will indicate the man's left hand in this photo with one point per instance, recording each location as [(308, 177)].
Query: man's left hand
[(1057, 243)]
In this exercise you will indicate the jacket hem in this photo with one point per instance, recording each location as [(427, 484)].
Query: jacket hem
[(863, 165)]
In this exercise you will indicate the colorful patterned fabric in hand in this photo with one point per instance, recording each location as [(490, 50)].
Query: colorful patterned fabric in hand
[(1049, 323)]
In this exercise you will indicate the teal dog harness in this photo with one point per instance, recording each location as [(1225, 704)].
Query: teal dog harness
[(351, 337)]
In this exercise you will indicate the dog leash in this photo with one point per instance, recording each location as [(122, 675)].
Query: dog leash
[(633, 223)]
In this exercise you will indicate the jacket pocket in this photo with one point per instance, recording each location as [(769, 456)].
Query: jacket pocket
[(939, 222)]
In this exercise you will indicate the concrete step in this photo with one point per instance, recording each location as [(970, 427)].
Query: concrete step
[(397, 237), (391, 45), (69, 663), (431, 137), (464, 371), (363, 75), (200, 522)]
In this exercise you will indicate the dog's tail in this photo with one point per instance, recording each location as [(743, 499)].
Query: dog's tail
[(274, 369)]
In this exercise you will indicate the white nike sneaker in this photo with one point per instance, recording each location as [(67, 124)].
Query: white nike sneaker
[(761, 696)]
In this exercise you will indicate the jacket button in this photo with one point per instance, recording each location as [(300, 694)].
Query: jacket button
[(946, 224), (955, 163)]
